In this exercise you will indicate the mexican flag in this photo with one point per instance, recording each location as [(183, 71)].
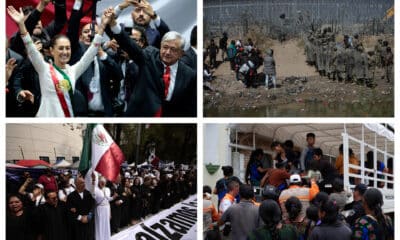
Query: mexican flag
[(100, 153)]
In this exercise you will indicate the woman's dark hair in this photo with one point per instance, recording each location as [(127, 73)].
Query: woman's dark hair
[(143, 37), (253, 158), (370, 160), (374, 200), (246, 191), (341, 148), (320, 198), (318, 152), (312, 213), (331, 210), (288, 144), (337, 185), (54, 40), (351, 153), (206, 189), (271, 214), (275, 143), (17, 195), (193, 36), (293, 207), (213, 235)]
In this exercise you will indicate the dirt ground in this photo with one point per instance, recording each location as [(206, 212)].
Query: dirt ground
[(228, 94)]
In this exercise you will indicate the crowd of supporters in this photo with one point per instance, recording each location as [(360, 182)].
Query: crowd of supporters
[(140, 71), (302, 197), (61, 205)]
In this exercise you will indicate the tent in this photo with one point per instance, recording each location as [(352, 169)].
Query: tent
[(12, 165), (33, 163), (62, 164)]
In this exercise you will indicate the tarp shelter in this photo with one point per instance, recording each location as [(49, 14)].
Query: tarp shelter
[(12, 165), (62, 164), (33, 163)]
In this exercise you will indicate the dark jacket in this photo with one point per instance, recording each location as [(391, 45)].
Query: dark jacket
[(109, 70), (148, 96), (190, 59), (16, 77), (55, 27)]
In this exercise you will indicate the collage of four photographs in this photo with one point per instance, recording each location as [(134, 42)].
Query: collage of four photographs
[(144, 162)]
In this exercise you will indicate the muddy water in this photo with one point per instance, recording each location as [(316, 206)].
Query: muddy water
[(309, 109)]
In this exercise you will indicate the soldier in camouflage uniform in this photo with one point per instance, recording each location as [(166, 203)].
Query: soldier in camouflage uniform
[(378, 49), (389, 64), (349, 58), (339, 63), (360, 70)]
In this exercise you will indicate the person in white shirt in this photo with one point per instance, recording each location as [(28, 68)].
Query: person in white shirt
[(57, 80)]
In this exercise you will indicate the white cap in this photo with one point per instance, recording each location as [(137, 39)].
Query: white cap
[(39, 185), (295, 178)]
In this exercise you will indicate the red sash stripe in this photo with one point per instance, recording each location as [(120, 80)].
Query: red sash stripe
[(60, 93)]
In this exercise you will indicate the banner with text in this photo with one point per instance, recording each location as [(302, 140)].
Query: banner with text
[(177, 222)]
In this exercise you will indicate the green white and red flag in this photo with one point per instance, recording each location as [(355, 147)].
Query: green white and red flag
[(101, 153)]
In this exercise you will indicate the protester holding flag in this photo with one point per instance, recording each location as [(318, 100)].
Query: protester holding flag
[(105, 158), (57, 80)]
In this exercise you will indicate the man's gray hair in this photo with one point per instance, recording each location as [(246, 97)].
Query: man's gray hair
[(172, 35)]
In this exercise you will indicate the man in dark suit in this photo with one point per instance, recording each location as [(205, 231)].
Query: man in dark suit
[(166, 87), (144, 16), (14, 74), (98, 82), (80, 204), (190, 56)]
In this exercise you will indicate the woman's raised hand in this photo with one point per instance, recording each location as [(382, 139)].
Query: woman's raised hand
[(18, 17)]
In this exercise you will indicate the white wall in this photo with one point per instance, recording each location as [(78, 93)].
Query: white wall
[(216, 151), (41, 139)]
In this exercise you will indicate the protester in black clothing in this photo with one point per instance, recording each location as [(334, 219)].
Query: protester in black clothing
[(80, 204), (116, 204), (156, 196), (19, 219), (126, 197), (136, 203), (53, 218)]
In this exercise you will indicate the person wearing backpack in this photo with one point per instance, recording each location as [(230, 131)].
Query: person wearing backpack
[(221, 187)]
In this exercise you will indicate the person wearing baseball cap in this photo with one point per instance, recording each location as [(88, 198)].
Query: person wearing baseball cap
[(356, 208), (296, 189)]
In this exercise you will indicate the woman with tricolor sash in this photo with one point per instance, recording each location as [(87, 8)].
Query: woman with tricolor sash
[(57, 79)]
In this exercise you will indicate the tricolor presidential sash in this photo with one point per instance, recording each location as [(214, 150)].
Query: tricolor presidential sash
[(61, 87)]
